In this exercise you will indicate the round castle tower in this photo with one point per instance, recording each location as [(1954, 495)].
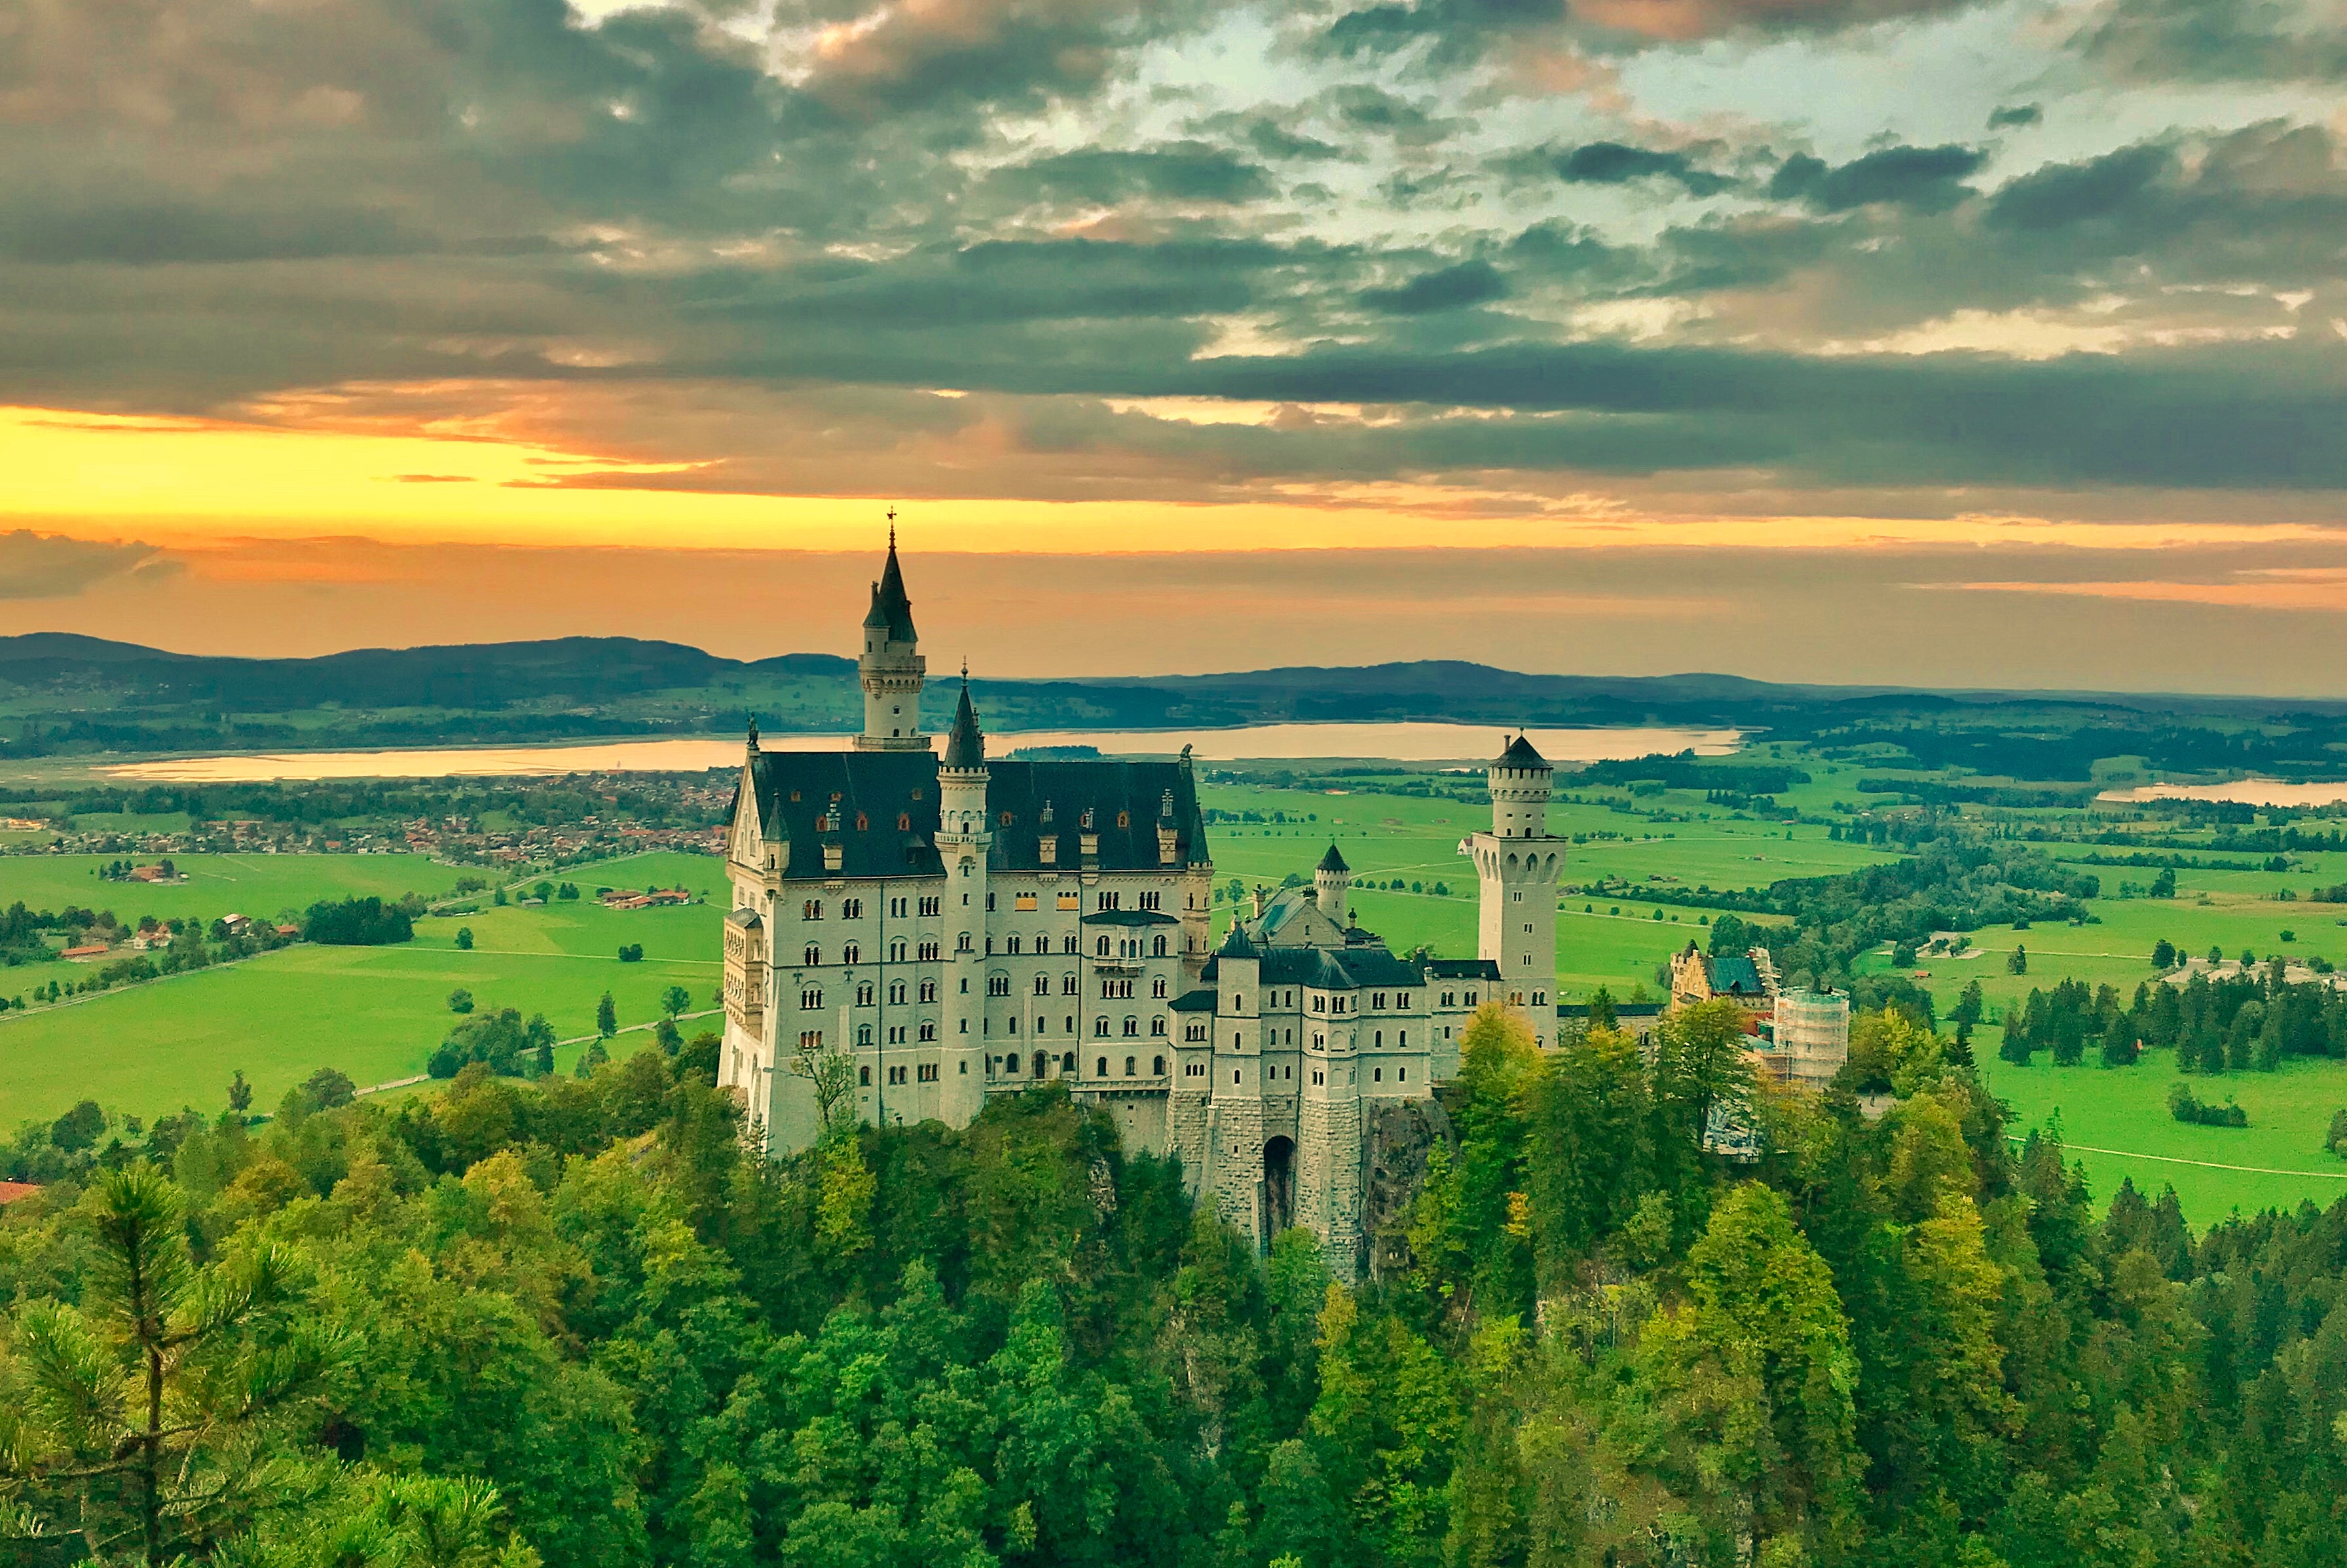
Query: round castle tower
[(891, 667), (1517, 865), (1332, 879), (963, 841)]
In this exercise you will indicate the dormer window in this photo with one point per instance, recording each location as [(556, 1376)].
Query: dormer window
[(862, 822), (904, 822), (1124, 819)]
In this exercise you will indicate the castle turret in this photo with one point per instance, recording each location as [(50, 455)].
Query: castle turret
[(1332, 880), (963, 841), (1517, 865), (891, 667)]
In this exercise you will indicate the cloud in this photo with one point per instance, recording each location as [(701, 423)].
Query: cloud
[(2218, 40), (1612, 163), (1447, 288), (1467, 27), (2010, 117), (1928, 179), (52, 565), (1176, 171)]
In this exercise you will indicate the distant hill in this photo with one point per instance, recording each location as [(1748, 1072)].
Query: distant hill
[(86, 695)]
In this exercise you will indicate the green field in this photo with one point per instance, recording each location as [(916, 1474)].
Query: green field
[(377, 1013), (2126, 1109)]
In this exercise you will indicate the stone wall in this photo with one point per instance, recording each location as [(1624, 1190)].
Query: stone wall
[(1400, 1133)]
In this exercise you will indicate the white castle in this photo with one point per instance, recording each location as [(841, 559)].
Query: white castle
[(958, 926)]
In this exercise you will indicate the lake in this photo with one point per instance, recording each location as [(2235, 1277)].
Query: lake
[(2245, 792), (1413, 743)]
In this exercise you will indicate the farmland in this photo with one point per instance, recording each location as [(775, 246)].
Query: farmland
[(377, 1013)]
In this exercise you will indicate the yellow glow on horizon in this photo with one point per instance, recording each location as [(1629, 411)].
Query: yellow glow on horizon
[(191, 482)]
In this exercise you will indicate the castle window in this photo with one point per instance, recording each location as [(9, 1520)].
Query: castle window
[(1068, 984), (1377, 1075), (1011, 945), (1129, 1068), (814, 955), (810, 1000), (1100, 947), (1156, 1067), (961, 944), (1379, 1041), (1132, 1028), (989, 902), (1104, 901), (904, 822), (1319, 1004), (896, 950), (928, 990), (863, 823), (897, 1034), (896, 1075), (851, 908), (864, 1035), (1100, 1028), (896, 993), (1068, 1062), (1379, 1001), (1451, 999), (1149, 900), (811, 910), (1157, 1028), (929, 1030), (932, 903), (998, 985), (1470, 999), (1157, 948), (851, 954), (1124, 819), (1071, 902), (863, 1074), (1234, 1075), (1402, 1039), (896, 907), (795, 795), (928, 951), (1402, 1074), (1042, 985), (1007, 819), (1157, 989), (1540, 999), (1099, 1068), (928, 1072)]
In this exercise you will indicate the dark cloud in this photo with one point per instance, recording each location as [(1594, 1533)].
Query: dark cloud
[(2219, 40), (2013, 116), (1447, 288), (1929, 179), (1469, 28), (49, 566), (1181, 171), (1613, 163)]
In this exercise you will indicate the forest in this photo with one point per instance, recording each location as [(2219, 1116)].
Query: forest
[(579, 1323)]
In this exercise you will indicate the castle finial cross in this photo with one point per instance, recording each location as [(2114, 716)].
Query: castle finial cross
[(892, 528)]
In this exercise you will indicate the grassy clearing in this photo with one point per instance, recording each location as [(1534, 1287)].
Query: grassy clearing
[(217, 885), (374, 1012), (2127, 1109)]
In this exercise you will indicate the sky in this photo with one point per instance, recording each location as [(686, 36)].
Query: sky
[(1946, 342)]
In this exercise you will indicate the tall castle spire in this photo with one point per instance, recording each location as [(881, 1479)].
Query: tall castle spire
[(890, 667)]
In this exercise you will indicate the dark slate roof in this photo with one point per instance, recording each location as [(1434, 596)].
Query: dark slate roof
[(1236, 945), (890, 608), (1520, 755), (1325, 968), (881, 788), (1461, 968), (966, 747), (1621, 1010), (1732, 974), (1130, 918), (1332, 861), (1201, 1000)]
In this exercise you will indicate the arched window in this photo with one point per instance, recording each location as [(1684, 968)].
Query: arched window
[(814, 955), (863, 823), (1042, 1063), (864, 1076), (1128, 1067), (904, 822), (1068, 943), (1007, 819), (1158, 949), (1132, 1028), (1157, 1028), (1068, 1062), (1124, 819), (1156, 1067), (1101, 1068), (1010, 944), (811, 910), (1042, 985), (1068, 985), (1101, 946), (1100, 1028), (851, 954)]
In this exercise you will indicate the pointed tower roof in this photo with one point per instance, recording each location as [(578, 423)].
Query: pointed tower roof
[(1236, 944), (890, 608), (1520, 755), (1332, 861), (966, 747)]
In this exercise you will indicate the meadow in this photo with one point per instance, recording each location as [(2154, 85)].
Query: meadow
[(375, 1013)]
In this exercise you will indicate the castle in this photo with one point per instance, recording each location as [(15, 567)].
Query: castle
[(959, 926)]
